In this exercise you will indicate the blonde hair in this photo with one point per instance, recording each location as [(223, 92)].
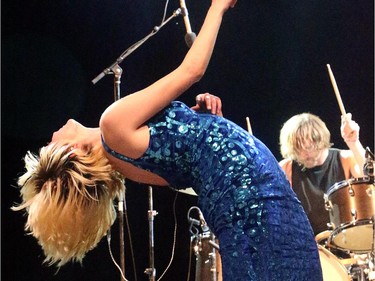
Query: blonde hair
[(68, 196), (301, 129)]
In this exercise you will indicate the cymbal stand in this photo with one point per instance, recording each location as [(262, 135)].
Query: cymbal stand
[(117, 72), (151, 271), (115, 69), (371, 272), (371, 255), (368, 170)]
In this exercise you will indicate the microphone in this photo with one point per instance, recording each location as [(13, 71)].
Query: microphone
[(203, 222), (190, 35)]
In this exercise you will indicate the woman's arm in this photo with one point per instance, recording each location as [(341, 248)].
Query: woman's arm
[(123, 121)]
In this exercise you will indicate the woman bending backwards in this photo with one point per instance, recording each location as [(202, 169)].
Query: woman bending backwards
[(149, 138)]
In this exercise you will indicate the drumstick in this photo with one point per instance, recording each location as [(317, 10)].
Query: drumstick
[(248, 126), (338, 97)]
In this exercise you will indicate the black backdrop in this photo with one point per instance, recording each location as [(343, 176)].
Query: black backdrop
[(269, 64)]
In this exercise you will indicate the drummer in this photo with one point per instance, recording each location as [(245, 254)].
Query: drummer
[(312, 165)]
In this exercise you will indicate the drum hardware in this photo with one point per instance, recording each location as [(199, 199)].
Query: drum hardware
[(213, 244), (371, 272), (351, 191), (362, 268), (205, 248), (208, 263), (329, 225), (205, 258), (328, 206), (327, 202), (368, 170), (201, 222), (151, 271), (368, 167), (354, 214), (371, 191)]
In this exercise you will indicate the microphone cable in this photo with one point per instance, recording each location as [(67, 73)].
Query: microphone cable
[(130, 245), (174, 238), (111, 254)]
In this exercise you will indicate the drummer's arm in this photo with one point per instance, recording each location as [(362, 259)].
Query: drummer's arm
[(350, 134), (286, 165), (350, 164)]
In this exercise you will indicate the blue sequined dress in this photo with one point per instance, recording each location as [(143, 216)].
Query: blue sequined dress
[(244, 195)]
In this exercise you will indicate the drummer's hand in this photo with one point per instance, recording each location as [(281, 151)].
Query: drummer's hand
[(208, 103), (349, 128)]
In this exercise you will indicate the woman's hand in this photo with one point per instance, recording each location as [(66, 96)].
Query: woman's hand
[(226, 4), (208, 103)]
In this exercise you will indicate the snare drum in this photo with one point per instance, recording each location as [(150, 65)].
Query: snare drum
[(332, 269), (351, 206)]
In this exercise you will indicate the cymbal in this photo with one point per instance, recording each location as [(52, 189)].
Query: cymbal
[(188, 191)]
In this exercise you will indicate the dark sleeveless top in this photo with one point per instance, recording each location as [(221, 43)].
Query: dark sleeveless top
[(310, 185)]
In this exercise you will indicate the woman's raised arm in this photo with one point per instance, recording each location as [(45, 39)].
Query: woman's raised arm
[(123, 120)]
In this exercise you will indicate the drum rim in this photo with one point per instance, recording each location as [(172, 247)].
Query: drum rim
[(337, 264), (344, 226), (341, 184), (324, 235)]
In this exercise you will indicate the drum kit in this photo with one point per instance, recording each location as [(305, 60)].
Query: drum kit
[(347, 251)]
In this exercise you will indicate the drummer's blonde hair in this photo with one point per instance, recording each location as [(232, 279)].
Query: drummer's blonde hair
[(68, 196), (302, 129)]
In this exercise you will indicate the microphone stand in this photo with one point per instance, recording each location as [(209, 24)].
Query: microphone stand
[(117, 72), (131, 49), (121, 210), (115, 69)]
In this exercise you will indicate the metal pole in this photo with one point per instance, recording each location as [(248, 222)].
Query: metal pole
[(151, 271)]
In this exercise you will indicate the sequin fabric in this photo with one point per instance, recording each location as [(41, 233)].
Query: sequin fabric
[(244, 195)]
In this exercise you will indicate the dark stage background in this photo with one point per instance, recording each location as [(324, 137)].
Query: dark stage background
[(269, 64)]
